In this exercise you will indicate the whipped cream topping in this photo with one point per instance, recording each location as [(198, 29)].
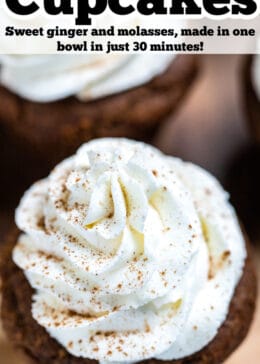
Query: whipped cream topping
[(132, 254), (50, 77), (46, 78)]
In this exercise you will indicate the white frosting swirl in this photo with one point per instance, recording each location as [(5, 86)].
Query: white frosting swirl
[(50, 77), (132, 254)]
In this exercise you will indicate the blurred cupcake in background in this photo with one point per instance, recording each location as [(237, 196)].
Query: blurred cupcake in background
[(58, 101), (243, 179), (51, 104), (253, 95)]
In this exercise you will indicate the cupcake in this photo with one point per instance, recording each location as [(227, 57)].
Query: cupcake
[(51, 104), (85, 97), (243, 176), (88, 96), (126, 255), (253, 95)]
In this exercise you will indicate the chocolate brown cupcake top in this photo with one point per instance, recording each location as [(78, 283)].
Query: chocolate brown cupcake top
[(132, 254)]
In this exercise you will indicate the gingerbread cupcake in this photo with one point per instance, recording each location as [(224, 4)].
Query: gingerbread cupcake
[(50, 104), (243, 176), (126, 255), (252, 95)]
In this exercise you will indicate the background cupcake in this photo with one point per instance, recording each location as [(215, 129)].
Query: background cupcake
[(50, 104), (243, 176), (253, 95)]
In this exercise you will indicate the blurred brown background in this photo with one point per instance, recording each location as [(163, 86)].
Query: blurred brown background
[(210, 129)]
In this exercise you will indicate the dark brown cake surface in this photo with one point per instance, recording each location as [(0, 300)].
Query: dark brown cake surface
[(25, 333)]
